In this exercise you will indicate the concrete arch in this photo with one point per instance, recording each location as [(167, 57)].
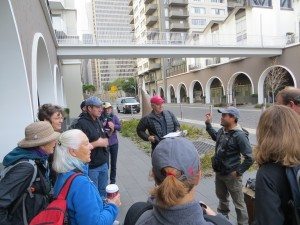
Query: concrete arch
[(14, 84), (260, 87), (169, 99), (58, 86), (191, 89), (207, 88), (231, 82), (178, 91), (43, 81)]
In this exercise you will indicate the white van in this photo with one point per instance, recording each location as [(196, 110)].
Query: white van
[(126, 104)]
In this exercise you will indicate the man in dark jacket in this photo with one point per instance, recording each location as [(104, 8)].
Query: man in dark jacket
[(231, 142), (90, 124), (158, 123), (289, 96)]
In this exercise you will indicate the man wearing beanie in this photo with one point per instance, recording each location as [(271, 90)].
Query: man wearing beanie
[(158, 123)]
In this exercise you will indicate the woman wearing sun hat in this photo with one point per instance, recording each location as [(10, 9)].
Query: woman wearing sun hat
[(25, 186)]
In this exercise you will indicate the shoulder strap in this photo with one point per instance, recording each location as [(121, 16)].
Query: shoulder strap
[(65, 189), (135, 211)]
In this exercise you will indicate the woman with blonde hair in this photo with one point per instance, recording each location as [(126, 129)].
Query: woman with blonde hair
[(176, 171), (278, 147), (84, 204)]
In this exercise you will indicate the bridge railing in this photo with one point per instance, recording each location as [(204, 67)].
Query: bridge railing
[(172, 39)]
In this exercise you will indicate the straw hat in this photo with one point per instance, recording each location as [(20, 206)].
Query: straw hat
[(38, 134)]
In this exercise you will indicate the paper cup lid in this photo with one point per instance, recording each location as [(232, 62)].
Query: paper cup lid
[(112, 188)]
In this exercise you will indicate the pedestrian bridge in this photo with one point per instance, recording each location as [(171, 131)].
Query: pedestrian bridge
[(167, 44)]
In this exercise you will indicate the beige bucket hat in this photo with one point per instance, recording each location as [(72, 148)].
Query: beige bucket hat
[(38, 134)]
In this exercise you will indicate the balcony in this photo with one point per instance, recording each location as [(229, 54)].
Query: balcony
[(178, 3), (131, 11), (152, 33), (148, 1), (176, 26), (131, 20), (178, 14), (57, 4), (130, 2), (151, 20), (153, 66), (235, 3), (132, 27), (150, 9)]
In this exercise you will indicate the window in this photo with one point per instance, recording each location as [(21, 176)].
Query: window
[(198, 22), (241, 30), (286, 4), (199, 0), (217, 1), (263, 3), (199, 10), (218, 11)]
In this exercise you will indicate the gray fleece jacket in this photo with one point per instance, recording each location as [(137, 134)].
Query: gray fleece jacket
[(188, 214)]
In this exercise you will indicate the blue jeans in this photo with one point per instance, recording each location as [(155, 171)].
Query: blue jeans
[(99, 176), (113, 151)]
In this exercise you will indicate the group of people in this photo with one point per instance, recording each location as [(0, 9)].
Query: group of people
[(28, 185), (36, 170), (278, 148)]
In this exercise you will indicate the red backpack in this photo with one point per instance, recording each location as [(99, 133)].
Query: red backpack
[(55, 213)]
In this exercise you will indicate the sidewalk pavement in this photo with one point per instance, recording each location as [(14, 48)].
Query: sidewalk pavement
[(133, 170)]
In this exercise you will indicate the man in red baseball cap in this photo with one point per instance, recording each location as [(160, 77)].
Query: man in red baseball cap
[(158, 123)]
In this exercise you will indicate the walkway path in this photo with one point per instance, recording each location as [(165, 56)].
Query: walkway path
[(133, 179)]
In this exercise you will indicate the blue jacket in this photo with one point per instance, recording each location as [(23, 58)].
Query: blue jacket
[(84, 203)]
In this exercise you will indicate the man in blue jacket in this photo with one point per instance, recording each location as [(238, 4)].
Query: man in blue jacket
[(231, 142)]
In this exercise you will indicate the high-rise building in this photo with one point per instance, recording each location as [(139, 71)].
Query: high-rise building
[(153, 20), (111, 25)]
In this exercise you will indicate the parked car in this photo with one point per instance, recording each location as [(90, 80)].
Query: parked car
[(126, 104)]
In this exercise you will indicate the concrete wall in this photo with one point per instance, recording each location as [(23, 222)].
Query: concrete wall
[(72, 86)]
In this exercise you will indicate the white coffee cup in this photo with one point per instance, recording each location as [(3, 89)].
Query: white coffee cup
[(112, 190)]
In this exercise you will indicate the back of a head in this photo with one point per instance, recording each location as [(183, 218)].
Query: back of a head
[(278, 134), (63, 160), (176, 170), (289, 94)]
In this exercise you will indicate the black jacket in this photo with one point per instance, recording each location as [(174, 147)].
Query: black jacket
[(272, 193), (152, 123), (229, 148), (13, 187), (93, 130)]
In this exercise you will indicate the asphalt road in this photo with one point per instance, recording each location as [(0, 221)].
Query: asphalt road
[(195, 114)]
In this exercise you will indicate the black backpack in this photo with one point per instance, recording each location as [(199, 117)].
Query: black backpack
[(138, 208)]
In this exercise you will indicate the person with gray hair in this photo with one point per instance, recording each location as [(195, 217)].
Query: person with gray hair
[(84, 204), (289, 96)]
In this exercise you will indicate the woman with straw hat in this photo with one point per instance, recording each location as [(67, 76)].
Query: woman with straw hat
[(24, 183)]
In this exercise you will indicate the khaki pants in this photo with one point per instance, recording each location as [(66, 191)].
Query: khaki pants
[(226, 185)]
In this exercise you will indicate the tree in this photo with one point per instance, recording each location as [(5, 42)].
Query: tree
[(88, 88), (128, 85), (276, 79)]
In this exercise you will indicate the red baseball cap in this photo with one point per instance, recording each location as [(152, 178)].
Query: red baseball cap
[(156, 99)]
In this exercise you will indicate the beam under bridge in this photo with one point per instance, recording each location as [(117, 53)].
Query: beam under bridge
[(162, 51)]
